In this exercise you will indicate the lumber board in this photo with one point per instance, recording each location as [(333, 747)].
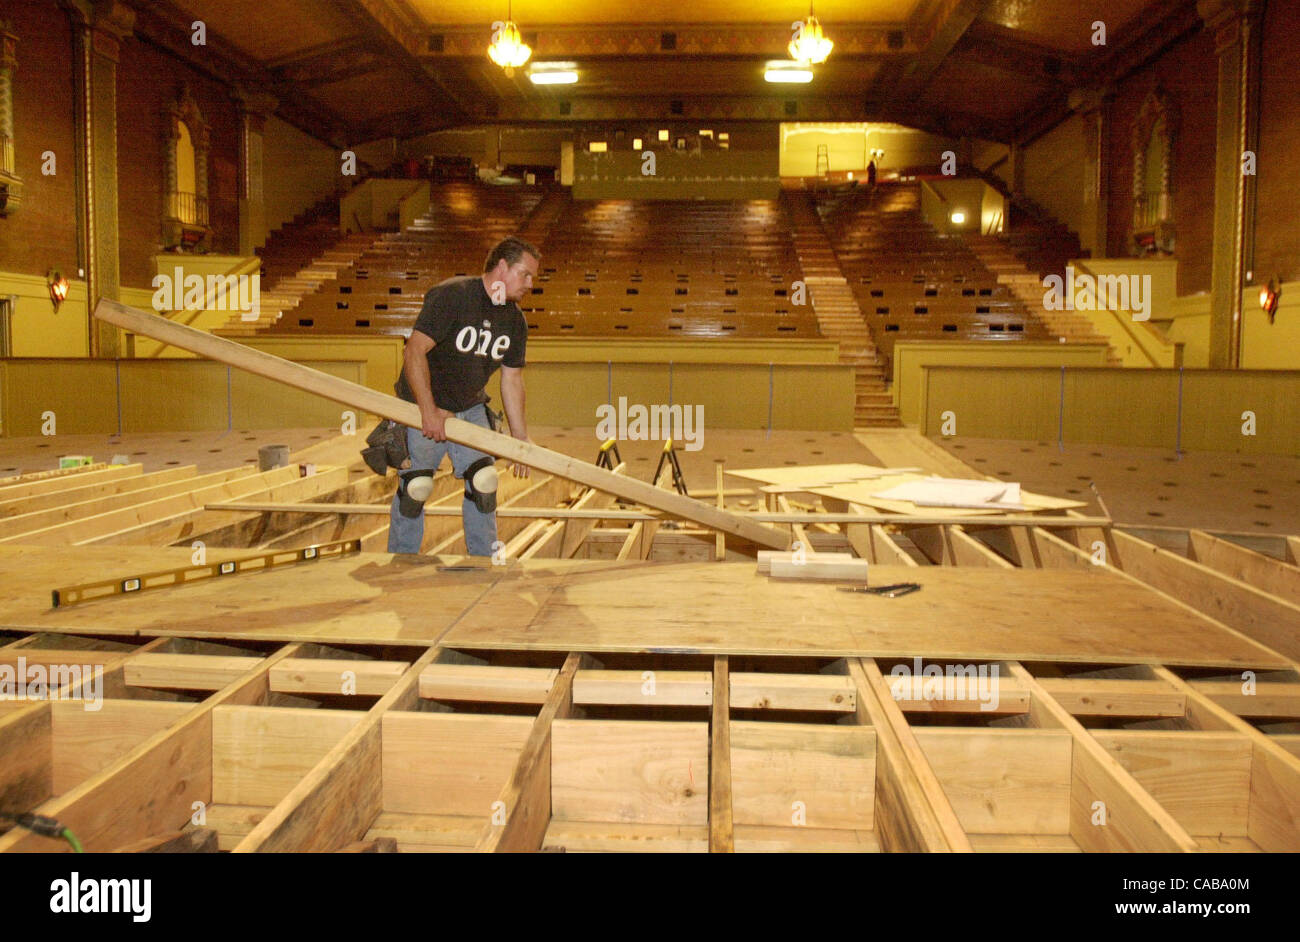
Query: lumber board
[(192, 841), (1003, 781), (487, 682), (1101, 697), (87, 741), (577, 530), (1024, 844), (408, 413), (644, 688), (259, 753), (1274, 823), (757, 839), (233, 823), (1133, 819), (635, 771), (819, 567), (336, 676), (1201, 778), (61, 480), (1270, 698), (427, 833), (118, 485), (153, 787), (826, 692), (1263, 572), (912, 812), (449, 763), (528, 797), (26, 757), (1269, 619), (186, 671), (799, 775), (338, 799), (721, 785)]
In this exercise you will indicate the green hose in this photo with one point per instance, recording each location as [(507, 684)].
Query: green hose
[(71, 838)]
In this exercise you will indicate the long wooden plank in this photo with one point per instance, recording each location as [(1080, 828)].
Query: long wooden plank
[(721, 822), (119, 485), (1109, 809), (526, 798), (1263, 572), (1274, 822), (912, 811), (408, 413)]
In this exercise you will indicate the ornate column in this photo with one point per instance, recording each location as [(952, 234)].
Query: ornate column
[(254, 109), (11, 185), (99, 28), (1093, 106), (1236, 25)]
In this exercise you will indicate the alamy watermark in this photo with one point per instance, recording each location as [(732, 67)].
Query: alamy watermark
[(55, 681), (640, 423), (194, 292), (1098, 293), (946, 682)]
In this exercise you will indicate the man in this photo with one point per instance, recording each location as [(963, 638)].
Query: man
[(467, 328)]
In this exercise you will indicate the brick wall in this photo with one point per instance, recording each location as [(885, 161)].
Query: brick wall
[(147, 81), (42, 234), (1189, 73), (1277, 245)]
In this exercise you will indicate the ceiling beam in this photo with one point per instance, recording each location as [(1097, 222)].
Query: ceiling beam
[(957, 19), (1001, 48)]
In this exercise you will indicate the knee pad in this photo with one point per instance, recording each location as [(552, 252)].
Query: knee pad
[(413, 491), (481, 484)]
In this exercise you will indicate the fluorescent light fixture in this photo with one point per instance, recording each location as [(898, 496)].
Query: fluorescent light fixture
[(553, 78), (957, 217), (787, 72), (553, 73)]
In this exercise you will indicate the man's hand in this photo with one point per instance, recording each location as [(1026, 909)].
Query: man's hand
[(520, 470), (434, 423)]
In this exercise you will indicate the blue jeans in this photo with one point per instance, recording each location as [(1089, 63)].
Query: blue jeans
[(405, 534)]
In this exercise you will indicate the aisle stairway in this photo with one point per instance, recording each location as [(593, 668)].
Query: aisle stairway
[(838, 314)]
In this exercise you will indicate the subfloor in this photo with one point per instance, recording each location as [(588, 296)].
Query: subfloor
[(617, 684)]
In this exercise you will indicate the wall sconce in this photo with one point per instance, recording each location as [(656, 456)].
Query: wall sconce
[(1269, 295), (58, 288)]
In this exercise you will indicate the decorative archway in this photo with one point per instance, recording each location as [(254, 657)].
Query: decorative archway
[(185, 220), (1154, 132)]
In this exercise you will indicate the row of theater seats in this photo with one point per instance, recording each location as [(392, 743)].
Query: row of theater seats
[(654, 268), (383, 291), (913, 283)]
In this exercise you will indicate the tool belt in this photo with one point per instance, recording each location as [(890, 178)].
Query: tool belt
[(387, 443)]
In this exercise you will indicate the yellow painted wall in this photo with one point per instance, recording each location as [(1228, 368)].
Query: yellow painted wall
[(1054, 171), (378, 203), (298, 170), (846, 142), (911, 356), (1138, 343), (35, 330), (159, 395), (1264, 346), (940, 198), (1137, 408)]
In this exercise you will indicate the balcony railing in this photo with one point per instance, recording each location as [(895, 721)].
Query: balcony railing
[(1151, 209), (6, 153), (188, 208)]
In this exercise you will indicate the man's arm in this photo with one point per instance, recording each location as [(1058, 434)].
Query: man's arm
[(416, 366), (512, 394)]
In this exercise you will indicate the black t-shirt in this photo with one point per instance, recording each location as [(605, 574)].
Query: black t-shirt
[(472, 337)]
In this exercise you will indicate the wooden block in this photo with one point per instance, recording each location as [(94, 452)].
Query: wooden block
[(374, 845), (1201, 778), (603, 837), (193, 841), (329, 676), (1087, 696), (1270, 698), (958, 690), (260, 753), (449, 763), (756, 839), (486, 682), (1003, 781), (765, 558), (233, 822), (87, 741), (630, 771), (796, 775), (832, 692), (647, 688), (816, 567), (186, 671)]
